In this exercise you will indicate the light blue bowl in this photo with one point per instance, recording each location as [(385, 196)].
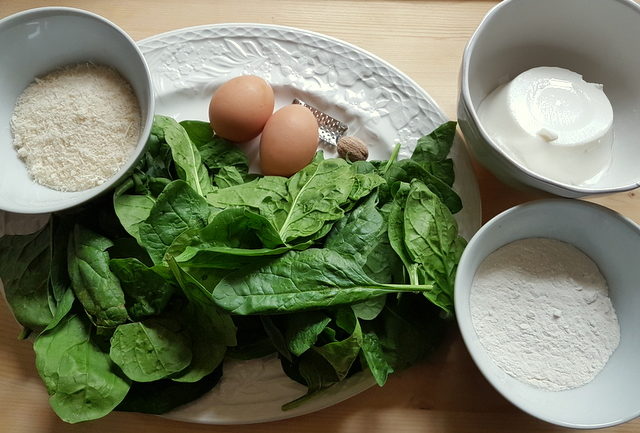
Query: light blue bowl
[(38, 41), (612, 242)]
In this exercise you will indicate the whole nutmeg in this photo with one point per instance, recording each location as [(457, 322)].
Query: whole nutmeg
[(352, 149)]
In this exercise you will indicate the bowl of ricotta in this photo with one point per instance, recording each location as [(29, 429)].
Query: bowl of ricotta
[(549, 95), (547, 307), (77, 108)]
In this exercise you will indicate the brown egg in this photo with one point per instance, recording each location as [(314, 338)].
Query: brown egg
[(240, 108), (289, 141)]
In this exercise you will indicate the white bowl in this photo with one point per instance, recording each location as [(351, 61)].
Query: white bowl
[(38, 41), (597, 39), (612, 242)]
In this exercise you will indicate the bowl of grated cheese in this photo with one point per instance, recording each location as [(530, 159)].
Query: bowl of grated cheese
[(546, 298), (77, 108)]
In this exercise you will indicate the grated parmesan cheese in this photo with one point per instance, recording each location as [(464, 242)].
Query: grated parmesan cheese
[(76, 127)]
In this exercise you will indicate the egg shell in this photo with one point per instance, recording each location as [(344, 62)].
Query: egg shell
[(240, 108), (289, 141)]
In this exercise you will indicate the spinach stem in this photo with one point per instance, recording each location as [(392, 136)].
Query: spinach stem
[(392, 158), (410, 287)]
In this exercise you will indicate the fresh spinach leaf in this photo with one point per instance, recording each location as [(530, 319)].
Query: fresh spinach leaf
[(342, 354), (431, 240), (358, 233), (199, 132), (93, 283), (219, 153), (317, 194), (82, 381), (228, 176), (315, 372), (239, 228), (146, 293), (219, 322), (276, 336), (186, 156), (211, 329), (443, 170), (303, 329), (177, 209), (63, 307), (300, 280), (375, 358), (59, 281), (369, 309), (150, 350), (436, 145), (408, 330), (216, 152), (395, 232), (407, 170), (267, 196), (162, 396), (132, 210), (25, 261)]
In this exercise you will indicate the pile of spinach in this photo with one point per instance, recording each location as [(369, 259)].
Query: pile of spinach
[(135, 300)]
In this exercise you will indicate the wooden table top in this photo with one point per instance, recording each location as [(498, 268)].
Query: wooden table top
[(424, 39)]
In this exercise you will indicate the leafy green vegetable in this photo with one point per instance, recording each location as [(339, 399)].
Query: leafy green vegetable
[(185, 154), (342, 354), (216, 152), (211, 329), (132, 210), (342, 267), (406, 170), (200, 133), (63, 307), (267, 196), (303, 330), (408, 330), (432, 240), (81, 379), (369, 309), (24, 269), (314, 371), (375, 358), (443, 170), (95, 286), (177, 209), (300, 280), (327, 185), (275, 335), (435, 146), (146, 293), (162, 396), (150, 350), (228, 176), (358, 233)]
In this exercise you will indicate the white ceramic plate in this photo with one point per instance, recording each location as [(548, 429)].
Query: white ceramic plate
[(380, 104)]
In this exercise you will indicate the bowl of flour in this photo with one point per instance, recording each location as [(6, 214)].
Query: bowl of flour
[(546, 298), (76, 112)]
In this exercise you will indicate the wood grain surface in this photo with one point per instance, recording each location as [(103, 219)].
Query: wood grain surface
[(424, 39)]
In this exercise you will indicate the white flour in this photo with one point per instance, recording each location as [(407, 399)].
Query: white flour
[(542, 311)]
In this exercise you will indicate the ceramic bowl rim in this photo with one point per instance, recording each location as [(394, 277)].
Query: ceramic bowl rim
[(466, 97), (146, 123), (464, 320)]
